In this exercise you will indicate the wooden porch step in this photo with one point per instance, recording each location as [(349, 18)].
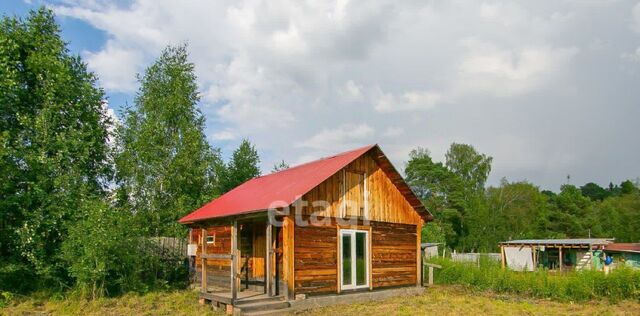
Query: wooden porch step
[(261, 308), (260, 299), (284, 311)]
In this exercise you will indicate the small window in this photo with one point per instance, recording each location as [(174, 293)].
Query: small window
[(211, 239)]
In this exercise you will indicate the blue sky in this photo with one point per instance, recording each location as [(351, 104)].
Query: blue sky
[(80, 36), (548, 88)]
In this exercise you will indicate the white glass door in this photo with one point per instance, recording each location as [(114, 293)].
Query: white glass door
[(354, 259)]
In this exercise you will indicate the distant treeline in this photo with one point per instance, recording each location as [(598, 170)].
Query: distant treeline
[(473, 217)]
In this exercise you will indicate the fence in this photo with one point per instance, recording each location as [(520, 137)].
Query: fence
[(169, 248), (474, 257)]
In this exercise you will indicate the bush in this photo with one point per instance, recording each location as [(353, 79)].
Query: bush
[(100, 251), (621, 283)]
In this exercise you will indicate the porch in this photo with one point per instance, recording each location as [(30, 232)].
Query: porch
[(240, 263)]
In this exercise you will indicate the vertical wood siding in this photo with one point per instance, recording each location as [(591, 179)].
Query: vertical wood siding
[(385, 202)]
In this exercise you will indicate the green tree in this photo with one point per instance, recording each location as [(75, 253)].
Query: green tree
[(440, 190), (53, 145), (627, 187), (619, 217), (470, 165), (165, 166), (243, 166), (572, 215), (515, 210), (434, 232), (594, 191), (282, 165)]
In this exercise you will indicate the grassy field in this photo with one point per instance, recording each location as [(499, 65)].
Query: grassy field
[(440, 300), (620, 284)]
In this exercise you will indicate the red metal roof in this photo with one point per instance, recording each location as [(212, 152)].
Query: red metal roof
[(282, 188), (623, 247)]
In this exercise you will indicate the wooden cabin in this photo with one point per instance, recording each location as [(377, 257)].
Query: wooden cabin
[(341, 224)]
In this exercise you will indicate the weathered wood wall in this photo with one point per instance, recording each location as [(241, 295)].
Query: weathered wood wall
[(259, 250), (218, 271), (394, 254), (384, 200), (315, 256)]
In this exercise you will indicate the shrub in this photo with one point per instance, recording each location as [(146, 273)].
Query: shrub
[(100, 251), (621, 283), (106, 255)]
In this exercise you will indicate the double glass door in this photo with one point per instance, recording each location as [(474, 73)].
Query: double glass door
[(354, 258)]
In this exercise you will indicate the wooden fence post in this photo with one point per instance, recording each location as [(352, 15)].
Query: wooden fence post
[(503, 257)]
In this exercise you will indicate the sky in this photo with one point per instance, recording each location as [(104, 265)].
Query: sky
[(547, 88)]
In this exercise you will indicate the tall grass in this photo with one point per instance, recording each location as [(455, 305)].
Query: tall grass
[(622, 283)]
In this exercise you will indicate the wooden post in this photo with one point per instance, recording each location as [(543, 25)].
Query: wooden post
[(288, 260), (203, 253), (267, 260), (535, 263), (419, 254), (431, 267), (339, 257), (503, 257), (234, 260), (369, 259), (560, 259), (430, 276)]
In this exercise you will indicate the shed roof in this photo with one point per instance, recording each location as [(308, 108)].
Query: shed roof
[(623, 247), (560, 242), (281, 189)]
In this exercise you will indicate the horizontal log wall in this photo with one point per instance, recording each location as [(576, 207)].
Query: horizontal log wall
[(315, 257), (394, 254)]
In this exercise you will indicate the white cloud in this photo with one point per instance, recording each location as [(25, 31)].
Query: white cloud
[(486, 68), (223, 135), (307, 79), (126, 62), (636, 17), (633, 56), (408, 101), (393, 131), (342, 137), (351, 91)]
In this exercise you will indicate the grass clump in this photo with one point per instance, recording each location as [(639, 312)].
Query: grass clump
[(622, 283)]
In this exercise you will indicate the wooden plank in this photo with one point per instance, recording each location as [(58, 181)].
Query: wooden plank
[(430, 275), (533, 253), (560, 259), (288, 250), (418, 255), (219, 256), (203, 253), (369, 261), (503, 257), (339, 260), (267, 273), (234, 266)]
